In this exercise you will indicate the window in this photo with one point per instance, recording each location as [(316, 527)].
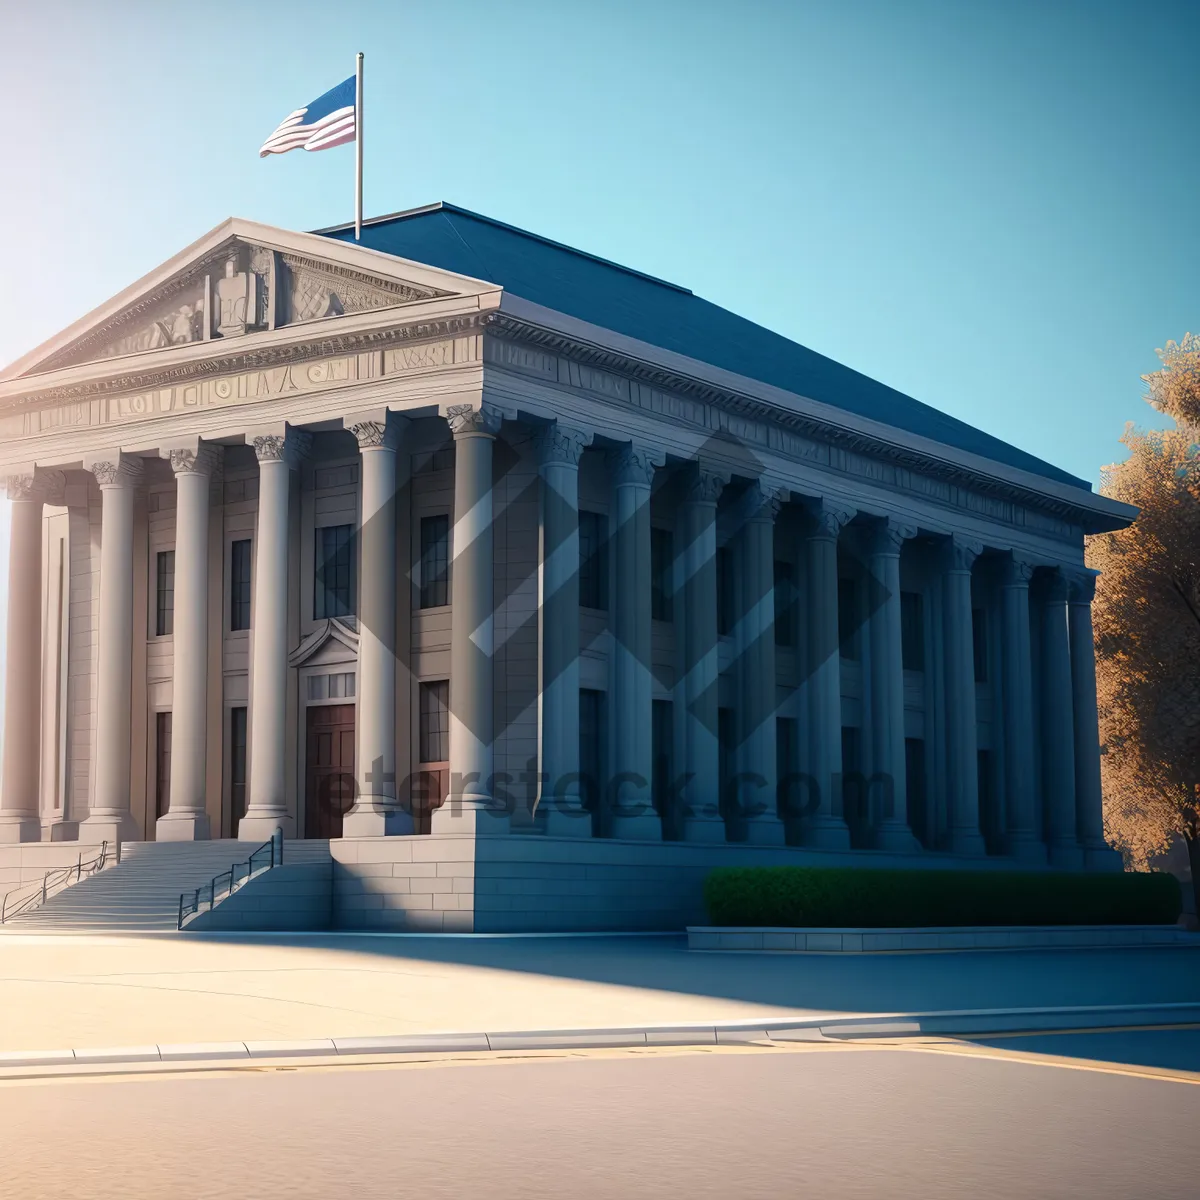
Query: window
[(434, 732), (435, 561), (989, 815), (661, 744), (237, 767), (162, 763), (725, 583), (661, 560), (912, 630), (593, 578), (787, 766), (591, 755), (979, 643), (854, 793), (331, 687), (726, 736), (848, 621), (164, 619), (914, 787), (239, 585), (785, 603), (335, 572)]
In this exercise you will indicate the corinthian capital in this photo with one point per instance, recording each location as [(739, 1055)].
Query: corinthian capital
[(116, 470), (1017, 571), (761, 502), (281, 445), (1081, 585), (560, 444), (961, 552), (890, 534), (203, 458), (633, 465), (471, 420), (379, 430), (24, 487), (705, 485), (830, 517)]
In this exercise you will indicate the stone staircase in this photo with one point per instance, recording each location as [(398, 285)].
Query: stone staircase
[(142, 891)]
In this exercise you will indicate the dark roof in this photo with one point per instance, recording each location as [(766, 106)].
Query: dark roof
[(639, 306)]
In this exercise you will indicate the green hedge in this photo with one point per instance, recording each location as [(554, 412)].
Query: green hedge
[(850, 896)]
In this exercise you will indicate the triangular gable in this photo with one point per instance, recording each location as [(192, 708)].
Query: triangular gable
[(242, 278), (333, 641)]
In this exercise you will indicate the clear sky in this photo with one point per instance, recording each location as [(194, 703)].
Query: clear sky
[(991, 207)]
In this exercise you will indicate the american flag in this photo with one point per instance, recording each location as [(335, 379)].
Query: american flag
[(328, 121)]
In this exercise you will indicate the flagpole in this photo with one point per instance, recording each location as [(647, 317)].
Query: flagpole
[(358, 146)]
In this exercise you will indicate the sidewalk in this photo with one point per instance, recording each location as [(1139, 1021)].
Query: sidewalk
[(129, 990)]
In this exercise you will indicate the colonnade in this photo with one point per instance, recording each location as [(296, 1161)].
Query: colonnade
[(1065, 730)]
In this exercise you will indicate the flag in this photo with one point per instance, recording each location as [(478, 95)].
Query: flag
[(328, 121)]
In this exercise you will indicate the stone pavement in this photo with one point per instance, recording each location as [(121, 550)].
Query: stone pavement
[(80, 991)]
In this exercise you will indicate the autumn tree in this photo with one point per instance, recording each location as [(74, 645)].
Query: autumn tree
[(1147, 621)]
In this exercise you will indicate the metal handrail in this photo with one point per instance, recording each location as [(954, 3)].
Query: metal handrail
[(225, 884), (51, 883)]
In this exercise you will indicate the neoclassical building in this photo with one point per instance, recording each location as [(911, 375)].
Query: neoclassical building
[(460, 533)]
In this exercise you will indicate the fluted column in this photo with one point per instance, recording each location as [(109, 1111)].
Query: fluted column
[(757, 797), (560, 808), (1089, 807), (696, 688), (267, 802), (825, 825), (628, 795), (1058, 728), (889, 778), (962, 755), (19, 775), (186, 819), (1024, 838), (375, 810), (109, 818), (469, 808)]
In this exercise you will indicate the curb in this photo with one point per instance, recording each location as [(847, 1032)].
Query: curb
[(828, 1028)]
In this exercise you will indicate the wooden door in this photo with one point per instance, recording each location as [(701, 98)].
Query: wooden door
[(329, 789)]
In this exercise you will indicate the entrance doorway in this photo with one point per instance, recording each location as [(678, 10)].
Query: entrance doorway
[(329, 789)]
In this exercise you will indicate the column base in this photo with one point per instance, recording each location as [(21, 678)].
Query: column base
[(373, 820), (561, 821), (709, 830), (766, 831), (1066, 856), (1028, 851), (967, 841), (1102, 858), (255, 828), (113, 828), (896, 838), (23, 828), (644, 827), (827, 833), (469, 818), (185, 827)]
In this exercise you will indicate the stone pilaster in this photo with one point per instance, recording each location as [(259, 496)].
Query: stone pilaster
[(469, 808), (1058, 728), (109, 818), (889, 781), (186, 819), (560, 810)]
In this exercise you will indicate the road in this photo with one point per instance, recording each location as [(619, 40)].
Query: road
[(847, 1121)]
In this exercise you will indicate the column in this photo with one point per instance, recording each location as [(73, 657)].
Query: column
[(376, 812), (109, 818), (962, 755), (628, 797), (1058, 728), (560, 809), (825, 824), (757, 794), (186, 818), (696, 689), (19, 775), (1024, 839), (469, 808), (889, 774), (1089, 809), (267, 799)]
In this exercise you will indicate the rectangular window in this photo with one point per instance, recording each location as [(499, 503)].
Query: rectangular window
[(725, 582), (989, 816), (239, 585), (162, 763), (914, 786), (593, 577), (979, 643), (164, 618), (726, 738), (591, 755), (854, 793), (662, 739), (848, 620), (335, 572), (912, 630), (785, 603), (661, 560), (237, 767), (435, 561), (434, 733), (787, 766)]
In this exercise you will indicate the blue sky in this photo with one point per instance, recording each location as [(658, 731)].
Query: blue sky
[(988, 206)]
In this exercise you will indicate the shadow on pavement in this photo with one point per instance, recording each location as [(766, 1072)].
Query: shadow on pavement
[(1169, 1049)]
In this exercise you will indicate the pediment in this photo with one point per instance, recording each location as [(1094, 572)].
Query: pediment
[(234, 283), (333, 642)]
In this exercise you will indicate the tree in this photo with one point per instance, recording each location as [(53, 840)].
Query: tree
[(1147, 622)]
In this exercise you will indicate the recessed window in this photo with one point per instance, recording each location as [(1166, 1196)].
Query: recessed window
[(239, 585), (164, 617), (592, 755), (848, 619), (162, 763), (785, 603), (725, 583), (912, 630), (434, 731), (334, 596), (979, 643), (661, 559), (593, 578), (435, 561), (339, 686), (237, 767)]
